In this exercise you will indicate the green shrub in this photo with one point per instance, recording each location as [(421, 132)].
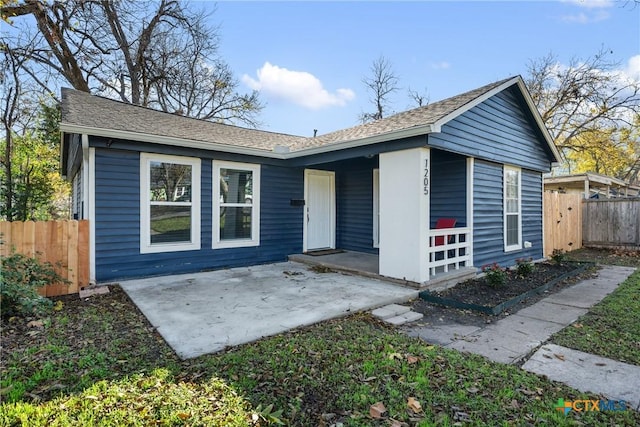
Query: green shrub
[(558, 256), (21, 277), (496, 276), (525, 266)]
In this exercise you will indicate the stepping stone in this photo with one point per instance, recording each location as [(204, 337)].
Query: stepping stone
[(409, 316), (390, 310), (93, 290)]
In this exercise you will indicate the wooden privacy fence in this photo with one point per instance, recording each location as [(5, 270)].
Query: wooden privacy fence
[(611, 222), (66, 242), (562, 222)]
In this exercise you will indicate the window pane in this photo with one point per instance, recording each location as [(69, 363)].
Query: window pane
[(236, 186), (170, 224), (235, 223), (170, 182), (512, 205), (512, 230)]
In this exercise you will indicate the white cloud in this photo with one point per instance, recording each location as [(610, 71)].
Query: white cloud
[(586, 18), (442, 65), (633, 68), (592, 4), (298, 87), (595, 11)]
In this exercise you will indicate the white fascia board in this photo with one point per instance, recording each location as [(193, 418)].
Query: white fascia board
[(540, 122), (383, 137), (534, 110), (469, 105), (210, 146), (167, 140)]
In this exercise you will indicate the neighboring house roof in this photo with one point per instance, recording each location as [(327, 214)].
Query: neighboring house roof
[(83, 113), (594, 182)]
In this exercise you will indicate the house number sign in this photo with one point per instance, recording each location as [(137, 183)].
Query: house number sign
[(425, 178)]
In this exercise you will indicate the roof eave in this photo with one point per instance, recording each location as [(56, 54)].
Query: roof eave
[(210, 146), (538, 118), (370, 140), (168, 140), (534, 110)]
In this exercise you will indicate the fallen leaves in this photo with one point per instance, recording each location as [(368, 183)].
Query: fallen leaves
[(377, 410), (412, 359), (559, 356), (35, 324), (414, 405)]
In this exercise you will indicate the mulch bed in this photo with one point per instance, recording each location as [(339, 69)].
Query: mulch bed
[(479, 292)]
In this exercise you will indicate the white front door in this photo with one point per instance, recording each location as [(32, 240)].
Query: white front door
[(320, 211)]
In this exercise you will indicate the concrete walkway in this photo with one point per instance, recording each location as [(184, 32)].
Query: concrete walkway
[(205, 312), (588, 373), (513, 338)]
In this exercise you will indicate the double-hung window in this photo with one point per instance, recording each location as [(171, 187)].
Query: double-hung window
[(169, 203), (236, 204), (512, 203)]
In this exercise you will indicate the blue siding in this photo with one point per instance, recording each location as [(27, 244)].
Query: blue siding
[(354, 205), (118, 222), (532, 213), (448, 187), (500, 129), (488, 232)]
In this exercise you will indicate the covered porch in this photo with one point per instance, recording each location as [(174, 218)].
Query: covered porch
[(404, 215), (426, 214), (367, 265)]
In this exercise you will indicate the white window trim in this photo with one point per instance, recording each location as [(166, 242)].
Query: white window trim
[(518, 246), (376, 208), (255, 205), (145, 204)]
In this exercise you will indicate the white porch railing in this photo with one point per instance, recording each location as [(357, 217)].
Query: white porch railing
[(449, 249)]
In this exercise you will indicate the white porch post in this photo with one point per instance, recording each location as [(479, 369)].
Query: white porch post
[(470, 168), (404, 214)]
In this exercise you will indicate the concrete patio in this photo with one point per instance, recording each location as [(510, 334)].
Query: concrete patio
[(204, 313)]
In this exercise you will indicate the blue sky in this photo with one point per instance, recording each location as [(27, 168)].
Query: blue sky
[(308, 59)]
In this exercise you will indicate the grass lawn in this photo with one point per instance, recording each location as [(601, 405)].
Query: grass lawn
[(611, 328), (99, 362)]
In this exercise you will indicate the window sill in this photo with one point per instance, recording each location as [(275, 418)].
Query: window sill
[(176, 247), (241, 243)]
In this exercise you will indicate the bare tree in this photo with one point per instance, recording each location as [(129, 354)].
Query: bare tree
[(381, 84), (159, 54), (585, 96), (419, 99), (10, 114), (28, 152)]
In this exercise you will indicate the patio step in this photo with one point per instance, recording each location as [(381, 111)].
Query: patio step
[(409, 316), (391, 310), (396, 314), (443, 281)]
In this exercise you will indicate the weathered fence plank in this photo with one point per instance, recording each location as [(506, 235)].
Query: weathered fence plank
[(611, 223), (64, 242)]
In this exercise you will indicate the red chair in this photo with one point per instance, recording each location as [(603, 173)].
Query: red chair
[(444, 223)]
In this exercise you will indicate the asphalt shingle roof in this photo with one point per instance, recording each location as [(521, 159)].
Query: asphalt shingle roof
[(82, 109)]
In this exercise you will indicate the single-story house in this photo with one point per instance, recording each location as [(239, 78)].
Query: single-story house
[(167, 194), (591, 185)]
